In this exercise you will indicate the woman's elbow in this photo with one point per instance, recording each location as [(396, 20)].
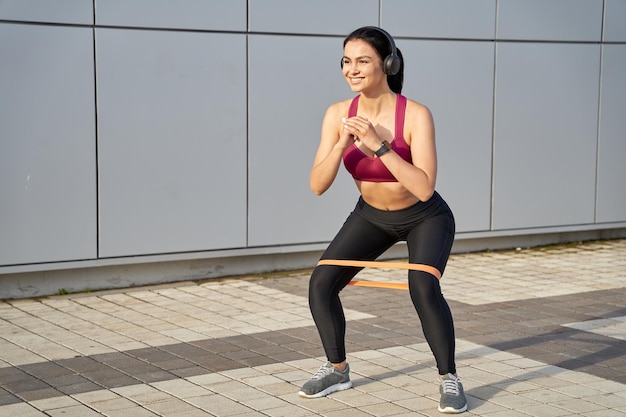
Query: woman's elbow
[(317, 190), (425, 195), (319, 185)]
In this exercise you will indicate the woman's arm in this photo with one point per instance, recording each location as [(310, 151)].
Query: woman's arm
[(420, 176), (333, 143)]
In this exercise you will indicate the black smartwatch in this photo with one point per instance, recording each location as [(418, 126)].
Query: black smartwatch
[(384, 148)]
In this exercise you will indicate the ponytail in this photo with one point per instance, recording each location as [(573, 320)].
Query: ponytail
[(396, 81)]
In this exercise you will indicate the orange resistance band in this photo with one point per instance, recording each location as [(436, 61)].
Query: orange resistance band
[(374, 264), (374, 284)]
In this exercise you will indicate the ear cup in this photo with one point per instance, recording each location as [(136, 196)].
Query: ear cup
[(391, 64)]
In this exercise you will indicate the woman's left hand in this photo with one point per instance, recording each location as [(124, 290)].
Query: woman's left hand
[(363, 131)]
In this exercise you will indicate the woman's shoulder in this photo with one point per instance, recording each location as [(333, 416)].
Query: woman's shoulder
[(416, 106), (416, 111), (340, 107), (417, 115)]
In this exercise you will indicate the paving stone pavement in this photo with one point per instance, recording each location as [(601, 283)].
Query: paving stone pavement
[(540, 332)]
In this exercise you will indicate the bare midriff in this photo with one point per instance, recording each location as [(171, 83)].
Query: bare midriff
[(386, 195)]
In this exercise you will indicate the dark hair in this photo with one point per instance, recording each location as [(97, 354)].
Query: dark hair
[(379, 41)]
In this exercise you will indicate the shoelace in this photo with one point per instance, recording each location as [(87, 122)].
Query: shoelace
[(322, 372), (450, 387)]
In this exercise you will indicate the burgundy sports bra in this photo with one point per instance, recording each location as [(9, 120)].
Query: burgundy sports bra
[(364, 168)]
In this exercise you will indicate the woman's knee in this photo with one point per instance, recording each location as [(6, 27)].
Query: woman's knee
[(327, 281), (424, 289), (321, 282)]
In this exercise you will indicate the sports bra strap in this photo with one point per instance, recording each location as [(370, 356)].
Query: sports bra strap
[(354, 106), (400, 108)]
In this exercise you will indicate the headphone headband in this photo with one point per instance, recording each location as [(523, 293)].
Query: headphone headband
[(392, 44)]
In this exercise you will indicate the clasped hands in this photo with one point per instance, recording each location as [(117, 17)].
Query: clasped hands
[(359, 129)]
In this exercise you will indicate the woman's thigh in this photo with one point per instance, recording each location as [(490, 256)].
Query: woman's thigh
[(431, 241), (359, 239)]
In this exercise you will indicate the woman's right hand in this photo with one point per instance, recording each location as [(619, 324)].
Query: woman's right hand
[(345, 137)]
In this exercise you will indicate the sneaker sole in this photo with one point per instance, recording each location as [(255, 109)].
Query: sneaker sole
[(451, 410), (329, 390)]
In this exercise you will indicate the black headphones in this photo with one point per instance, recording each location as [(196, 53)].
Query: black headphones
[(391, 63)]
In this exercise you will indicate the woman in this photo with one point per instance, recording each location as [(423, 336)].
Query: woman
[(387, 143)]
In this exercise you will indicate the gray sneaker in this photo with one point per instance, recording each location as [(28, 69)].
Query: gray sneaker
[(452, 397), (326, 380)]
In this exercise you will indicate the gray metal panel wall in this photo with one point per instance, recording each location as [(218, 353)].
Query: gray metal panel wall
[(57, 11), (209, 113), (456, 19), (614, 20), (292, 81), (47, 157), (172, 141), (545, 134), (288, 98), (611, 199), (455, 80), (319, 17), (179, 14), (553, 20)]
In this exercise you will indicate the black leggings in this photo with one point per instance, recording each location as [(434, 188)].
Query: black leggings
[(428, 229)]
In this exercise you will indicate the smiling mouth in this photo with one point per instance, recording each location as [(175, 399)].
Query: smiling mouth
[(356, 80)]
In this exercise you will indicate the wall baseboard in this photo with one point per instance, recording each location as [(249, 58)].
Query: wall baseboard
[(77, 279)]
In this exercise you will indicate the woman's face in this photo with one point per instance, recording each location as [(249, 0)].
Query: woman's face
[(362, 66)]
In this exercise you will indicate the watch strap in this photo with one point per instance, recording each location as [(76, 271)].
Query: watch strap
[(384, 148)]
